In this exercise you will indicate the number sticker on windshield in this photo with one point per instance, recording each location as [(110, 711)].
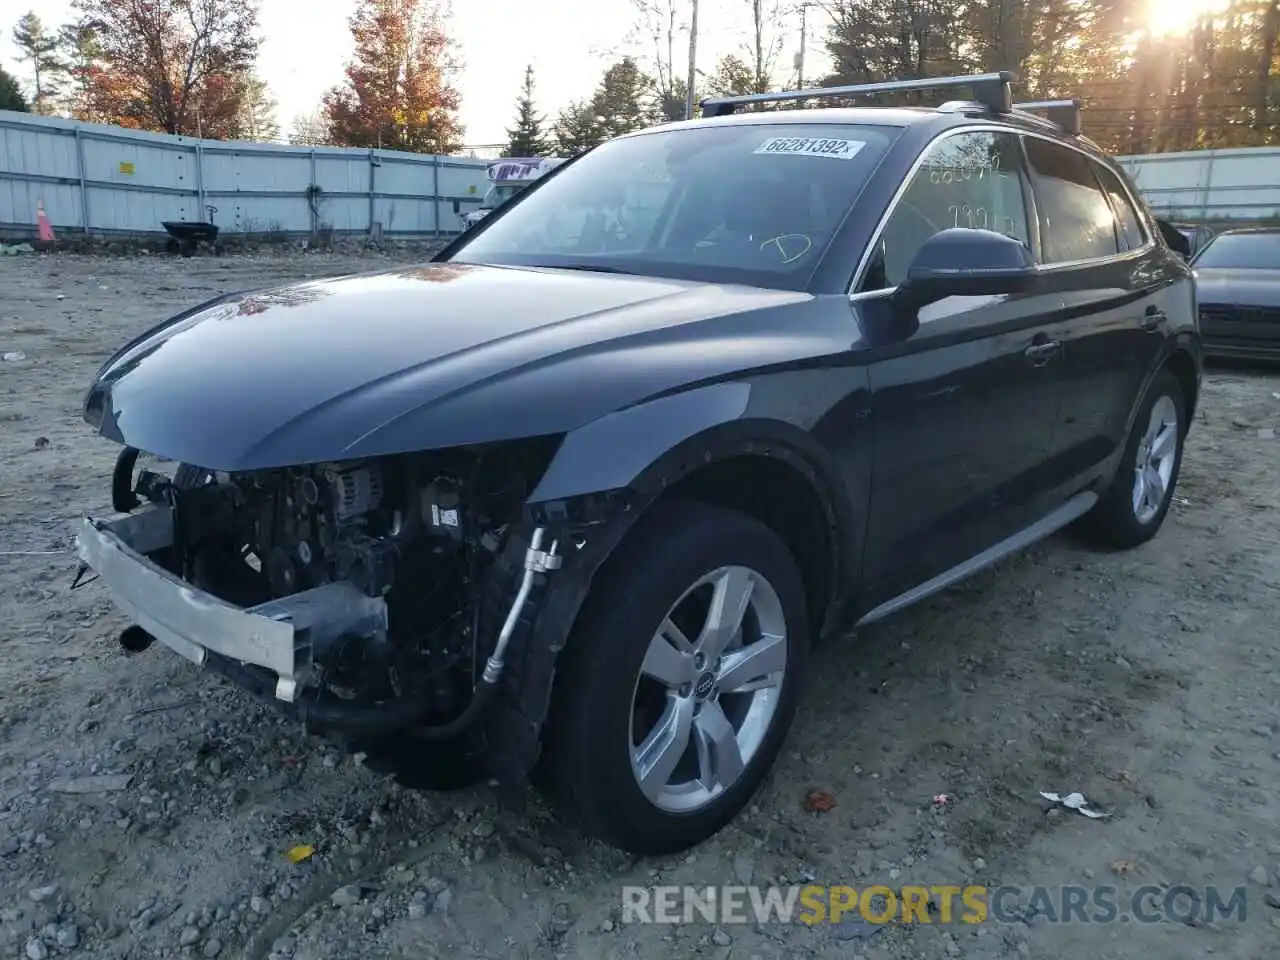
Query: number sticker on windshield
[(812, 147)]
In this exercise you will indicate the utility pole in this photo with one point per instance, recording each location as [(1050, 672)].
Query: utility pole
[(693, 59)]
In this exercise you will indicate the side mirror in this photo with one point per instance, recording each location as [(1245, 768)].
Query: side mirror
[(961, 262), (1175, 238)]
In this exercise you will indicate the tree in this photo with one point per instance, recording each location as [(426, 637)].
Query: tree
[(256, 116), (11, 97), (732, 78), (624, 101), (765, 43), (40, 49), (659, 25), (398, 94), (90, 91), (310, 129), (176, 66), (578, 129), (527, 138)]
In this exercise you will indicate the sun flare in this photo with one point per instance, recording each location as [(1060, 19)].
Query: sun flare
[(1176, 17)]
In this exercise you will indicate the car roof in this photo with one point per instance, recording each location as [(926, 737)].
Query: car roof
[(955, 114), (1245, 231)]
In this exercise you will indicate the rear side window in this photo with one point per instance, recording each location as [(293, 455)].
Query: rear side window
[(1128, 223), (1076, 222), (966, 180)]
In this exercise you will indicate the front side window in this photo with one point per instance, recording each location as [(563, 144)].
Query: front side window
[(966, 180), (498, 194), (1076, 222), (753, 203)]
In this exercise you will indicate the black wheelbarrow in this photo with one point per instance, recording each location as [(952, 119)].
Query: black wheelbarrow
[(185, 236)]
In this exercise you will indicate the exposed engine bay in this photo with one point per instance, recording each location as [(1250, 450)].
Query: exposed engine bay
[(420, 531)]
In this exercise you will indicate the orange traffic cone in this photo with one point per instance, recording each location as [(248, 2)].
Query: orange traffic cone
[(44, 229)]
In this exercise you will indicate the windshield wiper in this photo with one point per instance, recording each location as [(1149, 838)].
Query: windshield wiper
[(585, 267)]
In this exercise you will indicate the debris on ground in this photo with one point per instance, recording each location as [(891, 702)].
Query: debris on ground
[(1075, 801)]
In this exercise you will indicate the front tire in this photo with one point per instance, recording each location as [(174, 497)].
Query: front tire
[(1135, 505), (680, 680)]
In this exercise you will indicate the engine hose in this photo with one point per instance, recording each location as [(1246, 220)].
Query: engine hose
[(123, 499), (404, 716)]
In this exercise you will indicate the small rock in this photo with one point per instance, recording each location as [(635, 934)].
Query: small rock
[(1260, 876), (444, 899), (41, 894), (67, 936), (417, 910), (36, 950), (744, 869), (189, 936), (9, 846), (212, 947), (482, 829), (435, 886), (258, 905), (979, 863), (720, 938), (607, 926), (1263, 731), (215, 766), (1272, 900), (347, 896)]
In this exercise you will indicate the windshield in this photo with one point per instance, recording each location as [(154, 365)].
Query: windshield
[(1242, 251), (499, 194), (747, 203)]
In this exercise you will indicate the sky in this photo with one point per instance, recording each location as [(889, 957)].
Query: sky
[(569, 42)]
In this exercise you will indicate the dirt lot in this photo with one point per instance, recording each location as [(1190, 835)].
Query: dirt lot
[(1149, 681)]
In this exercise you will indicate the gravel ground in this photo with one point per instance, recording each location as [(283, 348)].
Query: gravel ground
[(146, 809)]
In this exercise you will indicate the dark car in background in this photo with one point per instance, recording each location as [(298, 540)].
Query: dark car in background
[(1238, 286)]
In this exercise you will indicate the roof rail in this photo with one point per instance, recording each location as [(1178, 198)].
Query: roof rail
[(990, 89), (1063, 113)]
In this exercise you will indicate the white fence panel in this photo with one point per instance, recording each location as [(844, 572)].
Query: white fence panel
[(1238, 184), (109, 180)]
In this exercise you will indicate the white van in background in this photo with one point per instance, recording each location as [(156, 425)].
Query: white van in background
[(507, 177)]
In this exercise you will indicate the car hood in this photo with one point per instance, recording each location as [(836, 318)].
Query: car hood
[(427, 357), (1244, 288)]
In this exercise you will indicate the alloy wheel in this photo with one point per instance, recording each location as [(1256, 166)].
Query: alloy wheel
[(1157, 453), (708, 689)]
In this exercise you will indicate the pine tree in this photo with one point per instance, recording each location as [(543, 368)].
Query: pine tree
[(527, 138), (40, 49), (624, 101)]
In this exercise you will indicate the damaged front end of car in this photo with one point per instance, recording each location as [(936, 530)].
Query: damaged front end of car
[(417, 594)]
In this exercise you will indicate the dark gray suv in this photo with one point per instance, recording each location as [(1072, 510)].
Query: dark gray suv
[(575, 497)]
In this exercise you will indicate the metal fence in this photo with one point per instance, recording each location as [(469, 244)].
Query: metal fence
[(107, 180), (1237, 184)]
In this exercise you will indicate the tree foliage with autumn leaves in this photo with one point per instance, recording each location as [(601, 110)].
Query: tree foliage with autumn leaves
[(398, 93)]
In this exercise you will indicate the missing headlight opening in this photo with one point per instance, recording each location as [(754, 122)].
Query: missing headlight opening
[(368, 595)]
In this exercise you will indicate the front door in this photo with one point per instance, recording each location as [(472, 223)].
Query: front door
[(962, 411)]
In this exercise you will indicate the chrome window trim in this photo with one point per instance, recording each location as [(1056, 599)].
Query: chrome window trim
[(865, 260)]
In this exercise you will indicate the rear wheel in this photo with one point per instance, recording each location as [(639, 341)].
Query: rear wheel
[(679, 682), (1135, 505)]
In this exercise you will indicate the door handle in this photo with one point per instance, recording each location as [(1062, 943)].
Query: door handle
[(1152, 319), (1039, 353)]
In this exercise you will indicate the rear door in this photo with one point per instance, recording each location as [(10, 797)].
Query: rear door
[(1103, 272), (963, 409)]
